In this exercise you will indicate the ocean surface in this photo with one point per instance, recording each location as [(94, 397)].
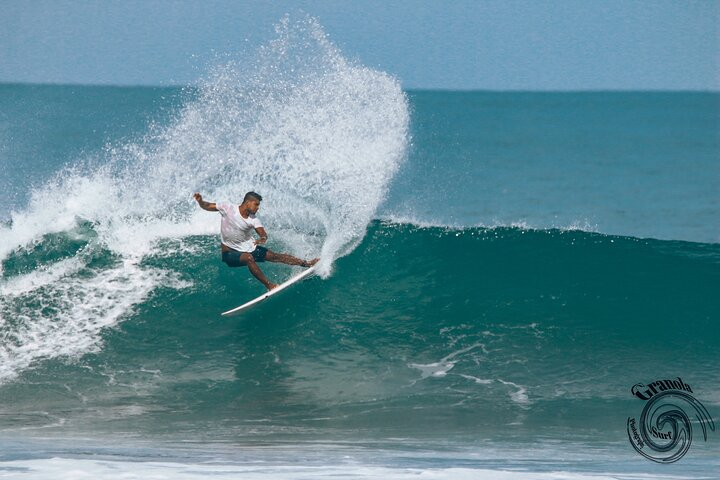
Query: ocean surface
[(498, 270)]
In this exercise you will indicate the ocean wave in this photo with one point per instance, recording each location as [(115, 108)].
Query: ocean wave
[(469, 327)]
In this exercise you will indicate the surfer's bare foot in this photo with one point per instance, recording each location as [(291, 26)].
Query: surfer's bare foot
[(310, 263), (271, 286)]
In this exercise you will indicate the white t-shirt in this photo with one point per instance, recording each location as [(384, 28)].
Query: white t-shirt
[(235, 231)]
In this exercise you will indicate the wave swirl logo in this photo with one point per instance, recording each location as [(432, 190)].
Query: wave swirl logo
[(664, 431)]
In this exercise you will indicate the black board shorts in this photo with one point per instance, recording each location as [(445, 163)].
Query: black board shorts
[(232, 257)]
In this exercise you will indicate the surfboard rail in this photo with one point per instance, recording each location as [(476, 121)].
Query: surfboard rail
[(292, 280)]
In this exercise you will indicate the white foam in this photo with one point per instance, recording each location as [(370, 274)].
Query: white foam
[(480, 381), (41, 277), (444, 365), (519, 395), (78, 469), (436, 369), (65, 319), (56, 207), (414, 220)]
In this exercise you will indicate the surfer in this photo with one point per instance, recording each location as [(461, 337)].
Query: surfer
[(238, 245)]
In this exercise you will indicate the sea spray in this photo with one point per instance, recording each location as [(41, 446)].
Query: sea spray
[(318, 136)]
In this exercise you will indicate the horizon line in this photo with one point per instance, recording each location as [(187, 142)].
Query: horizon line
[(404, 88)]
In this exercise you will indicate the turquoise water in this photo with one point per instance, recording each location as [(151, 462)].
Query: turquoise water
[(499, 269), (628, 163), (551, 336)]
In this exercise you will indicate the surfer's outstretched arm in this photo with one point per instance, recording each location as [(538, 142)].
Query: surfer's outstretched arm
[(209, 206)]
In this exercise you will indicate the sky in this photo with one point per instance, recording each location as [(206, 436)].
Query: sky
[(451, 44)]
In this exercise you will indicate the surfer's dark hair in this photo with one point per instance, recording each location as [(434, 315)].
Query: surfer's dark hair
[(252, 196)]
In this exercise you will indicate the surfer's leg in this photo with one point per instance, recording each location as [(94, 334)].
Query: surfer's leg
[(289, 259), (249, 260)]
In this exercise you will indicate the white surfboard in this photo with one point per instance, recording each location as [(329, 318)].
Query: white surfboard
[(266, 295)]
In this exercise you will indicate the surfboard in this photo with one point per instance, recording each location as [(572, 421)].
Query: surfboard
[(274, 291)]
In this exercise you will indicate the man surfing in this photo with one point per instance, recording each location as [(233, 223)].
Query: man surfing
[(238, 245)]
